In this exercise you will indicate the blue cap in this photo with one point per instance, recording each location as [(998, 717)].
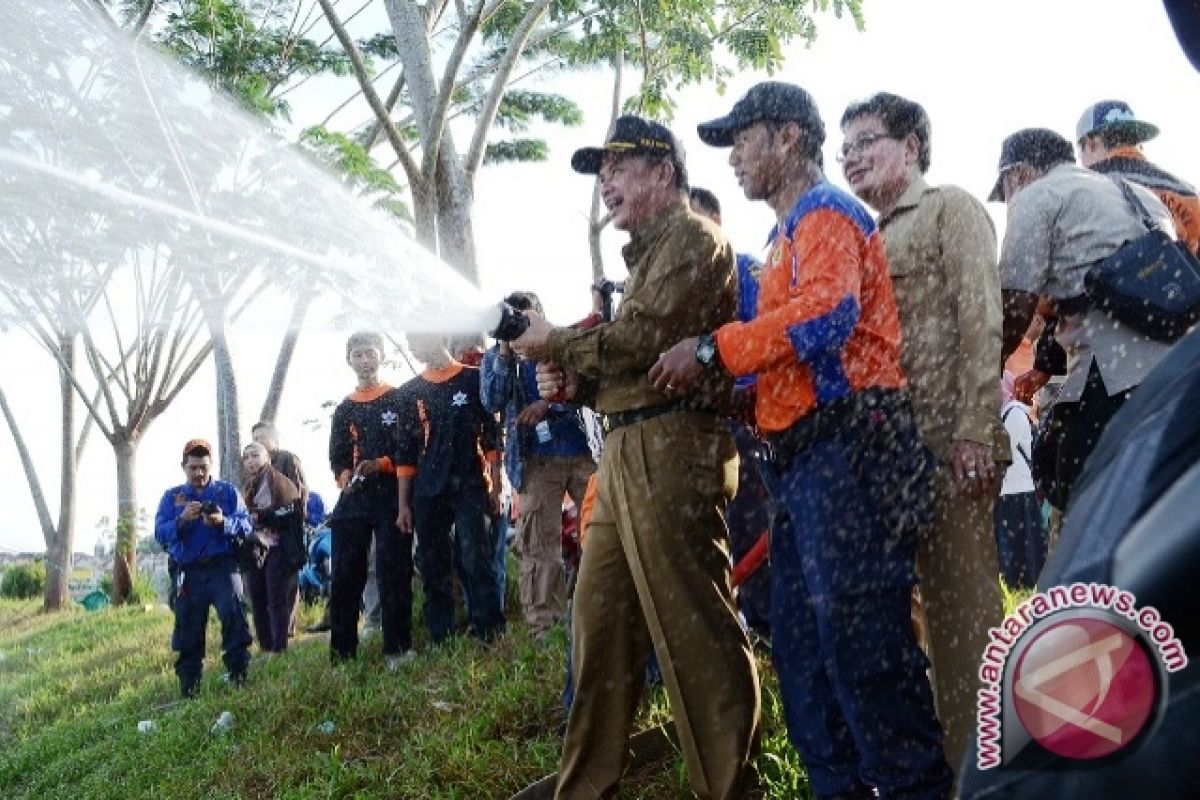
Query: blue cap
[(1113, 115)]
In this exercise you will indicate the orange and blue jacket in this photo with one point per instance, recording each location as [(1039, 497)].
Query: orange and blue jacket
[(826, 325)]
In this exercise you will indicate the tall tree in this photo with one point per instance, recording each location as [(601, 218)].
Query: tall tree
[(257, 51)]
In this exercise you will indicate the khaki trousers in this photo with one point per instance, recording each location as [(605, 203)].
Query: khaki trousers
[(960, 599), (539, 534), (655, 573)]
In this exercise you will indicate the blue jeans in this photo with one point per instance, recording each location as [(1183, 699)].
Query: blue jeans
[(499, 528), (215, 583), (856, 698), (472, 546)]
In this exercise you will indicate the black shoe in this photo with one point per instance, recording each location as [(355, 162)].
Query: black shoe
[(189, 688)]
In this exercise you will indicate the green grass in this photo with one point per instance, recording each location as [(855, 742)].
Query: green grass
[(460, 722)]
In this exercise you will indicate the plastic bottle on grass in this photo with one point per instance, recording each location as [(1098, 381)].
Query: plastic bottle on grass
[(223, 723)]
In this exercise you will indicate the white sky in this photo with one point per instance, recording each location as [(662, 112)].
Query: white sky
[(981, 69)]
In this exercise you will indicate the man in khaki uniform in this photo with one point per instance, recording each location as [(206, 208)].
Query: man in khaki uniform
[(941, 250), (655, 572)]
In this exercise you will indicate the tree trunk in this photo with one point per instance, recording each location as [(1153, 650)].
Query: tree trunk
[(283, 361), (597, 222), (425, 212), (229, 443), (456, 200), (59, 562), (59, 555), (124, 563)]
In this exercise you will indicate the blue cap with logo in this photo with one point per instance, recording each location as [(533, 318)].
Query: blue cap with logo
[(1113, 115)]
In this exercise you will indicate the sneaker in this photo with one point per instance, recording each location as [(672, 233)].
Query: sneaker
[(394, 663)]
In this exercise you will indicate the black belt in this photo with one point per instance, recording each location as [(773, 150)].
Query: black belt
[(827, 420), (619, 419)]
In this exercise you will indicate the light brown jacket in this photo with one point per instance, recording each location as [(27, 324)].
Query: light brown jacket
[(682, 282), (941, 248)]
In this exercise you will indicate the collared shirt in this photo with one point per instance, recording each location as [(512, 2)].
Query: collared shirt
[(941, 250), (1059, 227), (682, 283), (507, 385), (826, 325)]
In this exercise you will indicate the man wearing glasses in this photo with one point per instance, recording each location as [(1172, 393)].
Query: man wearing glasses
[(941, 249)]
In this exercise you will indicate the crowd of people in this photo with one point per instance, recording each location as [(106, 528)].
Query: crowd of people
[(903, 403)]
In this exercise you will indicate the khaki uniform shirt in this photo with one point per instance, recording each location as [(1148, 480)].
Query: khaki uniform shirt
[(1059, 227), (941, 249), (682, 282)]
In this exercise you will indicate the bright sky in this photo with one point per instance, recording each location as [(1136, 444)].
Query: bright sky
[(981, 69)]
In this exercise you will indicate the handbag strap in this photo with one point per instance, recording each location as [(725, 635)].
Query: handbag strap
[(1138, 206)]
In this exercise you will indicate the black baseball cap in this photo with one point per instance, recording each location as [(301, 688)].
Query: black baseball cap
[(769, 101), (1038, 147), (631, 135)]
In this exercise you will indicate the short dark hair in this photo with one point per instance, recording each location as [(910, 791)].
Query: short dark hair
[(704, 200), (365, 339), (812, 138), (523, 301), (900, 117), (680, 172), (260, 425), (1118, 136)]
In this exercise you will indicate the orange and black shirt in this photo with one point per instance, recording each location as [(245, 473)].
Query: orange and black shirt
[(366, 425), (826, 323), (447, 438), (1178, 196)]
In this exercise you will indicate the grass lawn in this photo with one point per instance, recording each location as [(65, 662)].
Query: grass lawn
[(460, 722)]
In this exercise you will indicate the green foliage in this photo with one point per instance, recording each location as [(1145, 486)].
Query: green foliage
[(357, 169), (694, 41), (516, 150), (24, 581), (520, 107), (248, 48)]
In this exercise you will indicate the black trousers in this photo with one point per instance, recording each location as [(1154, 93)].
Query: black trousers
[(394, 571), (1083, 423), (467, 513)]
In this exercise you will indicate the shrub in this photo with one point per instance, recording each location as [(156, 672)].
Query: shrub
[(24, 581)]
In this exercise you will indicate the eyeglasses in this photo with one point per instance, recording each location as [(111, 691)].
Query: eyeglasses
[(859, 145)]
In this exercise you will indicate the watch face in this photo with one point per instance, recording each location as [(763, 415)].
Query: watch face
[(705, 351)]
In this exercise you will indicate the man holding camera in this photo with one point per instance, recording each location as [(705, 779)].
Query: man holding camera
[(655, 573), (546, 454), (197, 524)]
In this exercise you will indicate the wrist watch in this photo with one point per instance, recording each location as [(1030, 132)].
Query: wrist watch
[(706, 351)]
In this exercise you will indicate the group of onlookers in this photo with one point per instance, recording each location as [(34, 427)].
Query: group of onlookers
[(899, 459)]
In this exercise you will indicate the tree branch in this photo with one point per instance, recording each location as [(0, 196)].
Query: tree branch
[(520, 38), (445, 95), (35, 486), (411, 169)]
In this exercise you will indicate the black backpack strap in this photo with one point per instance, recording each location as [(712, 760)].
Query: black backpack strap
[(1135, 201), (1021, 450)]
